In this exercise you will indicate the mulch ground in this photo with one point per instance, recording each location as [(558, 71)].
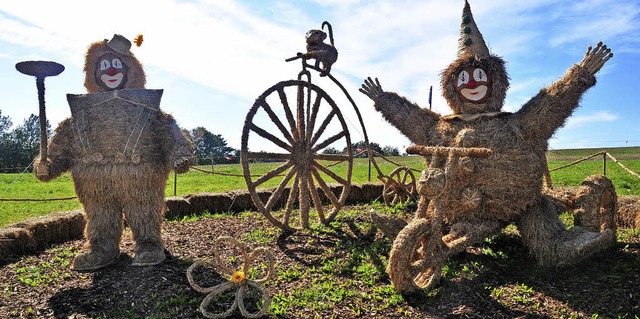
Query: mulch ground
[(505, 284)]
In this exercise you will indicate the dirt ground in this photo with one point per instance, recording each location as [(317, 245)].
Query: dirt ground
[(505, 283)]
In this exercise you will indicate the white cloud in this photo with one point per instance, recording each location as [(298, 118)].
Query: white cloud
[(583, 120), (218, 56)]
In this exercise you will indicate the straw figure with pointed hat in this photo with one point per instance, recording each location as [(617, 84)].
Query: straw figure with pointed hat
[(507, 186), (120, 148)]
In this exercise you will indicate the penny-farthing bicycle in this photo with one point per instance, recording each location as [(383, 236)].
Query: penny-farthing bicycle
[(290, 126)]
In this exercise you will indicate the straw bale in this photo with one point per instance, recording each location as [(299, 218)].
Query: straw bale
[(39, 232), (628, 212), (176, 207), (595, 205), (210, 202)]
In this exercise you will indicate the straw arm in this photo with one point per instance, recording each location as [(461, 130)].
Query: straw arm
[(549, 109), (60, 150), (413, 121), (181, 150)]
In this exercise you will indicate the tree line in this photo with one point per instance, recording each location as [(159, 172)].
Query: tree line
[(20, 146)]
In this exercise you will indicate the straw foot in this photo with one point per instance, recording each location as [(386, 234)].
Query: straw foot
[(95, 260)]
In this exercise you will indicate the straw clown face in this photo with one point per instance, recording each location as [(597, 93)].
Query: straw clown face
[(111, 74), (473, 84), (109, 65)]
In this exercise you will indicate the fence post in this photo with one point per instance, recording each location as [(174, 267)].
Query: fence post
[(175, 183), (369, 158), (604, 163)]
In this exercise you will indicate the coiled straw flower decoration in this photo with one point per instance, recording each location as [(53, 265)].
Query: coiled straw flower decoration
[(237, 279)]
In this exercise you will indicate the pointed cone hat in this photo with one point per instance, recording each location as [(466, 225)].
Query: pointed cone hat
[(471, 41)]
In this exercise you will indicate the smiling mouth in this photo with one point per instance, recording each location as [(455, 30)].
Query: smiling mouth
[(114, 80)]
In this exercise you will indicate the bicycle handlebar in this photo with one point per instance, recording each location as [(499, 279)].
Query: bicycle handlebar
[(478, 152)]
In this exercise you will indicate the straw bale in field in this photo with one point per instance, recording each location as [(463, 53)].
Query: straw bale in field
[(628, 212), (39, 232)]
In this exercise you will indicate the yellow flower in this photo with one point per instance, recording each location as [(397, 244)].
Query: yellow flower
[(238, 280), (238, 277)]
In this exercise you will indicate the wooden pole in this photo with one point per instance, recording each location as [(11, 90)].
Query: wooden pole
[(42, 118)]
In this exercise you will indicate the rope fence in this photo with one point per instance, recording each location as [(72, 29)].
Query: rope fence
[(547, 178), (605, 154)]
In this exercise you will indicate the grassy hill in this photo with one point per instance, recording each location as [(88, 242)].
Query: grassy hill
[(620, 153)]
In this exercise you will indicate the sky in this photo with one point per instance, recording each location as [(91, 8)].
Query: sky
[(213, 58)]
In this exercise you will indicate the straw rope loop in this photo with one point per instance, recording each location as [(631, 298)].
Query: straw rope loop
[(238, 279)]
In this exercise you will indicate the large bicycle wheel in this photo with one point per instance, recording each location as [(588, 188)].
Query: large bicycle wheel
[(417, 256), (290, 125)]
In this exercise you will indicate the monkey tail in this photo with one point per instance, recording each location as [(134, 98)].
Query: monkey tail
[(330, 30)]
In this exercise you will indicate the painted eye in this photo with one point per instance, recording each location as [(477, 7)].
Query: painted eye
[(463, 78), (104, 64), (116, 63), (479, 75)]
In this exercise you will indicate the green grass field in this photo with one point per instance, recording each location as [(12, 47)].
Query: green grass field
[(21, 186)]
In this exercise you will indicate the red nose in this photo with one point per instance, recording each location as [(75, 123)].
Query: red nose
[(111, 71), (472, 84)]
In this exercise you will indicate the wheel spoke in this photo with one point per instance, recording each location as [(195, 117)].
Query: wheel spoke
[(328, 141), (272, 173), (274, 118), (313, 115), (330, 173), (331, 157), (404, 177), (316, 200), (288, 113), (293, 194), (322, 127), (304, 199), (276, 195), (271, 137), (390, 191), (301, 113), (326, 189)]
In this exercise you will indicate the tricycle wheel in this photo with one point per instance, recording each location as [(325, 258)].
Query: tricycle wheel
[(417, 256)]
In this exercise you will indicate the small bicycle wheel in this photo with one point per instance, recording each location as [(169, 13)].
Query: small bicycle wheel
[(304, 175), (417, 256), (400, 186)]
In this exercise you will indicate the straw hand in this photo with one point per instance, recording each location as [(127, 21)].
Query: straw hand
[(372, 89), (182, 164), (594, 59), (41, 169)]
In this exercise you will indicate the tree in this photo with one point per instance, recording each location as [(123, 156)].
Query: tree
[(5, 124), (330, 150), (361, 146), (20, 146), (210, 146), (5, 141), (390, 151)]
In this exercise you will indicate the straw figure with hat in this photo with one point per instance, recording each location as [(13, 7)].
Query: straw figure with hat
[(507, 186), (120, 148)]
